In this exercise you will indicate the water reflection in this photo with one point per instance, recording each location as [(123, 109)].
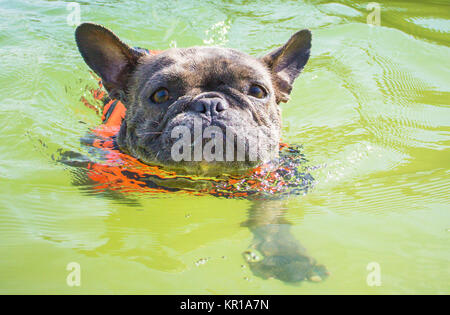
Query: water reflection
[(275, 252)]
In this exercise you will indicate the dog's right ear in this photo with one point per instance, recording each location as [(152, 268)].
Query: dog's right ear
[(108, 57)]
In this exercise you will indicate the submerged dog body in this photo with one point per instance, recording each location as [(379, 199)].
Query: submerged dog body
[(223, 92)]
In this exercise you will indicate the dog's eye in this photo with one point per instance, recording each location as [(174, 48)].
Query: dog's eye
[(160, 96), (257, 91)]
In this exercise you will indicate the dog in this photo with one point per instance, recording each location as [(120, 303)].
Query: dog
[(209, 88), (196, 88)]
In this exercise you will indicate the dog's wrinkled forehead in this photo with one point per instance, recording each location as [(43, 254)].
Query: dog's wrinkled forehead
[(123, 69), (202, 66)]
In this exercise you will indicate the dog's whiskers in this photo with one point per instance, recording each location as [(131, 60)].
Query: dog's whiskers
[(150, 133)]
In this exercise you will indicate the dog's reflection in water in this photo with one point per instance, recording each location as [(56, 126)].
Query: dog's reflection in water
[(275, 252)]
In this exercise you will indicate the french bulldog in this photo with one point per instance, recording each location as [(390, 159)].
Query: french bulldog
[(216, 87), (200, 88)]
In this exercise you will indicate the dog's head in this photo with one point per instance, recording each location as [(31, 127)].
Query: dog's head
[(196, 108)]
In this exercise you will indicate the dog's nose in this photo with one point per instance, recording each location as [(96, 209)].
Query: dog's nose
[(210, 106)]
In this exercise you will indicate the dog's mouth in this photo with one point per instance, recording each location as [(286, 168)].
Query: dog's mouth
[(194, 144)]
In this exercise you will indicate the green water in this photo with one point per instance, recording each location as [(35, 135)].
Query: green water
[(371, 110)]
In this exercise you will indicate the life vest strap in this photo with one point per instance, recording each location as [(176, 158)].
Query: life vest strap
[(113, 113), (108, 110)]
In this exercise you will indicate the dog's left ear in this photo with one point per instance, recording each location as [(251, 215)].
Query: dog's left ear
[(287, 61), (108, 56)]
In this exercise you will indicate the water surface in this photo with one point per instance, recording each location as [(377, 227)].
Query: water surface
[(370, 109)]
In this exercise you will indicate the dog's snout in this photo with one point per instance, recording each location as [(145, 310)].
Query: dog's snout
[(209, 106)]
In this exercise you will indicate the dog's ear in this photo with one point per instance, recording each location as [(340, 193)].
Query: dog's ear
[(108, 56), (287, 61)]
